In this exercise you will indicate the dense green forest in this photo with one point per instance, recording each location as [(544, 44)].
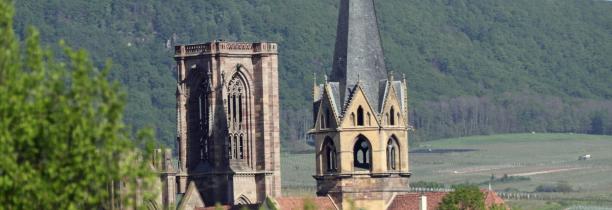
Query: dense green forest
[(474, 67)]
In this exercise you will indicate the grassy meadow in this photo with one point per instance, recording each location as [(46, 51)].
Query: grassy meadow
[(545, 159)]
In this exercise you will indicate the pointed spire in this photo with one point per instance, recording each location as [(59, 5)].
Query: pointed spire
[(358, 49), (315, 89)]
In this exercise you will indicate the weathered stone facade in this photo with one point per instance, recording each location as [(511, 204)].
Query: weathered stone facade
[(361, 118), (227, 121)]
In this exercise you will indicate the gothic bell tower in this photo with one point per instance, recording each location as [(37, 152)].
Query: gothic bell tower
[(227, 121), (361, 117)]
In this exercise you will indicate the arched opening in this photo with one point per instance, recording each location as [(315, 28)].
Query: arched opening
[(204, 116), (362, 154), (392, 116), (243, 200), (325, 118), (392, 154), (329, 155), (352, 119), (369, 119), (241, 149), (360, 116), (237, 117)]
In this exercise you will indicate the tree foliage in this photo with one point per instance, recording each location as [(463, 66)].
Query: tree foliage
[(465, 197), (64, 143), (447, 49)]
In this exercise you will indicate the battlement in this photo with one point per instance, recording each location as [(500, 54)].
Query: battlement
[(225, 47)]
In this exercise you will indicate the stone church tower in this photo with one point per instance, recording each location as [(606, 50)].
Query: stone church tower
[(227, 116), (361, 117)]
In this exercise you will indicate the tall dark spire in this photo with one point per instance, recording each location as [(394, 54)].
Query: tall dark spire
[(358, 50)]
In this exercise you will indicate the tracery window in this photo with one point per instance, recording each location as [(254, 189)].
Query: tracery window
[(362, 154), (392, 154), (237, 112)]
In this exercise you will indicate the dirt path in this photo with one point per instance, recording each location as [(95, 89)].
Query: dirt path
[(545, 172)]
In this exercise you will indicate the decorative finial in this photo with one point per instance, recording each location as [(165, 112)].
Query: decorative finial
[(315, 79), (403, 76), (391, 76), (358, 78), (325, 78)]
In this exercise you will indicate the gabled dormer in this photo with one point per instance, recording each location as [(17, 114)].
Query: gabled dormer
[(392, 113), (358, 111), (326, 112)]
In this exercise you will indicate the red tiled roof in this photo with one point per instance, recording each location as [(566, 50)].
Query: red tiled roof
[(228, 207), (285, 203), (412, 201), (297, 203), (492, 198)]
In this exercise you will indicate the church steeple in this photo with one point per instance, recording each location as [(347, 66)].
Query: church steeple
[(358, 50)]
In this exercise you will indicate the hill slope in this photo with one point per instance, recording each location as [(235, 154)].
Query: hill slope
[(467, 62)]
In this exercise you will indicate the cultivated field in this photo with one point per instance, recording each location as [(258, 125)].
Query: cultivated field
[(543, 158)]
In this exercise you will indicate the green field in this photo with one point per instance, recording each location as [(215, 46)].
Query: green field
[(543, 158)]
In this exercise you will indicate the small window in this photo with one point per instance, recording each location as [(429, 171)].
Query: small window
[(369, 119), (327, 118), (360, 116), (353, 119)]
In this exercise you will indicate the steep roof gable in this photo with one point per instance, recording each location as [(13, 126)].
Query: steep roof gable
[(357, 98), (327, 102), (192, 198)]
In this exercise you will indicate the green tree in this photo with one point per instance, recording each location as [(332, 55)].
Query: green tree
[(64, 144), (465, 197), (309, 204)]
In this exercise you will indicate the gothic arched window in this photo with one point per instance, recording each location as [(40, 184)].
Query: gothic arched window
[(392, 154), (392, 117), (237, 115), (329, 155), (204, 117), (360, 116), (362, 154), (327, 118)]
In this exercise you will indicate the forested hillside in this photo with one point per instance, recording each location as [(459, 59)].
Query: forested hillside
[(474, 67)]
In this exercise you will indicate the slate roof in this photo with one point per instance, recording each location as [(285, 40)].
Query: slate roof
[(358, 53)]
